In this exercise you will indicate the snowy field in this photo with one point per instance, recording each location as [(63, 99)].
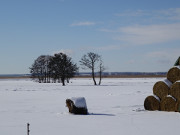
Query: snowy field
[(115, 108)]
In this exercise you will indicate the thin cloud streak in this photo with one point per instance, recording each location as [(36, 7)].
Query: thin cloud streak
[(86, 23), (168, 14), (150, 34), (164, 56), (133, 13), (101, 48)]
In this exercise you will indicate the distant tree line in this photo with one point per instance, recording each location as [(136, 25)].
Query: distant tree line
[(60, 67)]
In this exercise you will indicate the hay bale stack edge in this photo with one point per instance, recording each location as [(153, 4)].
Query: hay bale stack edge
[(175, 90), (173, 74), (152, 103), (161, 88), (168, 104), (167, 92)]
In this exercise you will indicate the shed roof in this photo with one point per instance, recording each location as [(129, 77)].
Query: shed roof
[(177, 62)]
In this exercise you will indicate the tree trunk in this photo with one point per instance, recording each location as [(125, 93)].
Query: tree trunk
[(93, 76), (68, 80), (100, 77), (63, 81)]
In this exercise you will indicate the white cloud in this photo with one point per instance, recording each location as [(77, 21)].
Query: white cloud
[(107, 47), (101, 48), (157, 26), (86, 23), (149, 34), (133, 13), (131, 62), (165, 56), (171, 13), (166, 14), (108, 30)]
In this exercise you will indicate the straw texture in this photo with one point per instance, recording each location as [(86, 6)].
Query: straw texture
[(161, 88), (173, 74), (151, 103), (168, 104), (175, 90), (178, 106)]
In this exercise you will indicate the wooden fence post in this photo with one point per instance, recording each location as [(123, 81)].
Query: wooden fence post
[(28, 128)]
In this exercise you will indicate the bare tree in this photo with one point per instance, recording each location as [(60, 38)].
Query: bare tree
[(101, 69), (89, 61), (40, 70)]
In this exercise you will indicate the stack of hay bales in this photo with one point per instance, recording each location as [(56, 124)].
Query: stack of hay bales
[(166, 93)]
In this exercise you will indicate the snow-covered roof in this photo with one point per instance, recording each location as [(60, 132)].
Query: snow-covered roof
[(79, 102)]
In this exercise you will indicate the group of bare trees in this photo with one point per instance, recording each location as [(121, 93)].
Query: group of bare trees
[(93, 61), (55, 68), (40, 69), (60, 68)]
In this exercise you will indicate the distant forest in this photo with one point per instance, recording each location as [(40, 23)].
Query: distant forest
[(106, 74)]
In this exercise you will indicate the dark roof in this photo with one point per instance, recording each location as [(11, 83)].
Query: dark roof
[(177, 62)]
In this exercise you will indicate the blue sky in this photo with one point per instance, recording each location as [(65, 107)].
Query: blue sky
[(130, 35)]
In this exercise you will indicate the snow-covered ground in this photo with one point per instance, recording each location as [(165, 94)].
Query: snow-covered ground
[(115, 108)]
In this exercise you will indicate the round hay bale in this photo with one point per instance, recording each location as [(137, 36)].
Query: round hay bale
[(77, 105), (168, 104), (152, 103), (175, 90), (161, 88), (178, 106), (173, 74)]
